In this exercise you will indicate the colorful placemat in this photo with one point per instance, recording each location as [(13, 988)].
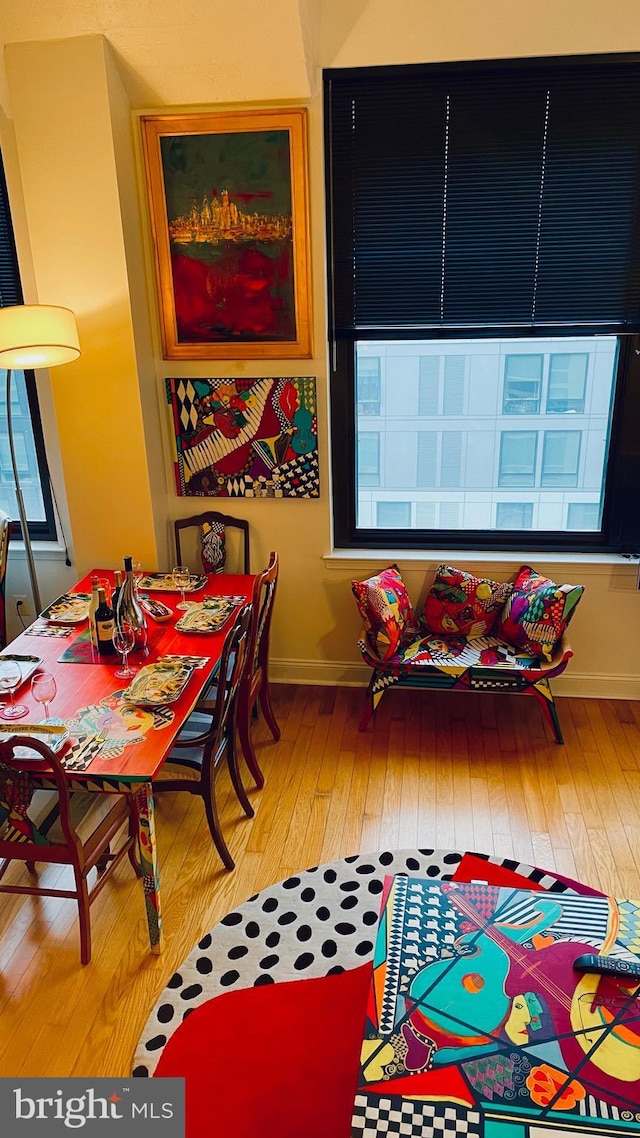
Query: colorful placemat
[(83, 652), (49, 630)]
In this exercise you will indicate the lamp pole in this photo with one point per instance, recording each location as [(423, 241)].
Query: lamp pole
[(31, 336)]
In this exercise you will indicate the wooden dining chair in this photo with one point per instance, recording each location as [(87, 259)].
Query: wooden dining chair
[(59, 826), (212, 540), (209, 735), (254, 683), (5, 536)]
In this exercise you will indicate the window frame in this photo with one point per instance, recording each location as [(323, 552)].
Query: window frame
[(39, 530), (619, 533)]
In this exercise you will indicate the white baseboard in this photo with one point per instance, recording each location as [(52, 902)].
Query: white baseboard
[(583, 685)]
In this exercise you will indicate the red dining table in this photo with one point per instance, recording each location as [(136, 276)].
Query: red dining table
[(135, 740)]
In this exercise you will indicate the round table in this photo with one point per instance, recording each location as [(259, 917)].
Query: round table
[(319, 922)]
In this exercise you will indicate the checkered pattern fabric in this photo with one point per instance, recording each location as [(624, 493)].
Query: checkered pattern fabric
[(373, 1115)]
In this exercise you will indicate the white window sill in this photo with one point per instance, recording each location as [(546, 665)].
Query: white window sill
[(591, 564), (42, 551)]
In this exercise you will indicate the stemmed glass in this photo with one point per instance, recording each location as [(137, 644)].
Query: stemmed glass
[(10, 679), (124, 639), (43, 690), (138, 574), (181, 579)]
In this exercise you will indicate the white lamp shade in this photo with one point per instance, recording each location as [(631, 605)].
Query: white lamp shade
[(37, 335)]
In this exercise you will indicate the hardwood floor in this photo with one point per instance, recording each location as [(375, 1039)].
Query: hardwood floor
[(466, 771)]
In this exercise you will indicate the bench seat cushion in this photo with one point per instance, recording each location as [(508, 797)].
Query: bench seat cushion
[(454, 654)]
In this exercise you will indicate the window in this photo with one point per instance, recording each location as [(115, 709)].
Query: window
[(518, 458), (567, 382), (583, 515), (368, 458), (368, 386), (515, 515), (27, 429), (560, 458), (427, 458), (522, 384), (484, 251), (392, 515)]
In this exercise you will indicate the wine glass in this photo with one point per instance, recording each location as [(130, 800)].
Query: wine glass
[(10, 680), (181, 579), (124, 639), (43, 690)]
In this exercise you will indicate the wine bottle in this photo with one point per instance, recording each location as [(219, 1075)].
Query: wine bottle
[(105, 625), (116, 589), (93, 604), (128, 609)]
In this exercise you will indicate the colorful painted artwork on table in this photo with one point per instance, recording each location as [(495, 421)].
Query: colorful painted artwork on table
[(120, 722), (245, 438), (477, 1023), (228, 194)]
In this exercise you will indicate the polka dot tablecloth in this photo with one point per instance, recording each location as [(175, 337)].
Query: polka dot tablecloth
[(320, 921)]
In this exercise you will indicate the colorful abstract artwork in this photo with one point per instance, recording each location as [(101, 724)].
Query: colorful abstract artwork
[(245, 438), (478, 1024), (228, 196)]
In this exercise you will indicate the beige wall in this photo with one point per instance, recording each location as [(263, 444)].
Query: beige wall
[(86, 229)]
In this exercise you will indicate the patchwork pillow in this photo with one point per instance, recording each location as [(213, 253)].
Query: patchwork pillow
[(537, 612), (460, 604), (385, 608), (213, 552)]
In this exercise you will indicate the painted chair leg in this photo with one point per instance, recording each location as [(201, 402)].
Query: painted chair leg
[(369, 707), (542, 692)]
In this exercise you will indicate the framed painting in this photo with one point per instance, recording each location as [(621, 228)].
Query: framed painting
[(228, 196), (244, 438)]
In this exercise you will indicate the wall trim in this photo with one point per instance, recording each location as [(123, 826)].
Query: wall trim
[(580, 685)]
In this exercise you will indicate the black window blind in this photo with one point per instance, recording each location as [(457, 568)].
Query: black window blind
[(10, 287), (489, 198)]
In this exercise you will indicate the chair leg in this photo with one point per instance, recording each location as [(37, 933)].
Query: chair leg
[(267, 710), (83, 916), (133, 852), (211, 808), (542, 691), (232, 763), (369, 706), (246, 742)]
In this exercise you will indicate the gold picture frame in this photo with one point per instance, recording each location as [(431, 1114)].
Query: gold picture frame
[(229, 204)]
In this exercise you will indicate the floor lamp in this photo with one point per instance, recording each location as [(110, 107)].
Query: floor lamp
[(32, 336)]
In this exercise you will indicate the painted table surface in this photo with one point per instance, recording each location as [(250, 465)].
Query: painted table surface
[(325, 921), (137, 740)]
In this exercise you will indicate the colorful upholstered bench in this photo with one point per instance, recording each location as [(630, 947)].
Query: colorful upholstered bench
[(461, 642)]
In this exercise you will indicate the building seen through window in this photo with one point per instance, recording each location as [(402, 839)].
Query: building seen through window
[(463, 427)]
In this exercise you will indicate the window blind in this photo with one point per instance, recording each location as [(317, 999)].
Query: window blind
[(491, 198), (10, 288)]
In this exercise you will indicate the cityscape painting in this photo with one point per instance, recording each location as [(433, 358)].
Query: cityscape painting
[(229, 211), (245, 438)]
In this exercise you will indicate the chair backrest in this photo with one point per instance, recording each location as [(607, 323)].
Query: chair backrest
[(264, 594), (5, 536), (23, 829), (230, 671), (212, 543)]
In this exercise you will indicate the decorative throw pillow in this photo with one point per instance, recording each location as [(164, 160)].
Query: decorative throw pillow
[(213, 550), (537, 612), (460, 604), (385, 608)]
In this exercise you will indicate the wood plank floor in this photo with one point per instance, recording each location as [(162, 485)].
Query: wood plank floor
[(466, 771)]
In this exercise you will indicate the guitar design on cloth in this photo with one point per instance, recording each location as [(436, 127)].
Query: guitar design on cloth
[(123, 723), (492, 996)]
